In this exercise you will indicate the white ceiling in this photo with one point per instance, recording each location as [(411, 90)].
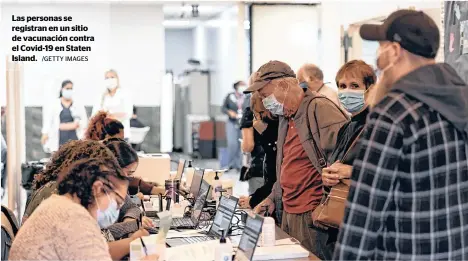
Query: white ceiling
[(206, 11)]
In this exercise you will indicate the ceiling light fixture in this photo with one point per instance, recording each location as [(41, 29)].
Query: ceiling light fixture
[(195, 12)]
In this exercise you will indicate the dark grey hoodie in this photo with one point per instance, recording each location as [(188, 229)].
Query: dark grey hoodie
[(441, 88)]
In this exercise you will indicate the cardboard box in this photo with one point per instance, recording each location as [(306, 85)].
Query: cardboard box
[(154, 168)]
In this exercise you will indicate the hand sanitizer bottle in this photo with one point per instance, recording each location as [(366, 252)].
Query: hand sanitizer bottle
[(223, 252), (188, 174), (217, 187)]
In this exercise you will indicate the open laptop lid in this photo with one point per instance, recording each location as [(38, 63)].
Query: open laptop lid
[(224, 215), (180, 169), (249, 238), (196, 182), (200, 202)]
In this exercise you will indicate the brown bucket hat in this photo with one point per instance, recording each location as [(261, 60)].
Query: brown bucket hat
[(270, 71)]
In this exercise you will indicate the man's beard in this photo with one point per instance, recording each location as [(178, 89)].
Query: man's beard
[(378, 92)]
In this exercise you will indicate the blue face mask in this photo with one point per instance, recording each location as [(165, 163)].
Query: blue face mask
[(106, 218), (273, 105), (352, 101), (304, 85)]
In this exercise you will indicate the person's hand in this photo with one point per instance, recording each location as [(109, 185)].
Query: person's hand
[(140, 195), (44, 139), (140, 233), (232, 114), (244, 202), (153, 257), (147, 222), (76, 124), (260, 208), (332, 175)]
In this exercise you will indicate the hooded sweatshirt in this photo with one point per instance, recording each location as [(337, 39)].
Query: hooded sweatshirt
[(440, 87), (407, 199)]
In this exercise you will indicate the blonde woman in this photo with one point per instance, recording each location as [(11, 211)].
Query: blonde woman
[(115, 101)]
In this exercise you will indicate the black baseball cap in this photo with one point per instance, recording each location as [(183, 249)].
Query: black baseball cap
[(270, 71), (414, 30)]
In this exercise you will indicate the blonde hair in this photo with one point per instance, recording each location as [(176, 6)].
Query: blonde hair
[(114, 72)]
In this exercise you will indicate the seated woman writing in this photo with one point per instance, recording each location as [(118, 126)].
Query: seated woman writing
[(45, 185), (66, 225)]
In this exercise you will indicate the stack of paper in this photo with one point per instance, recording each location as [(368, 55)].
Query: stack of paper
[(280, 252), (200, 251)]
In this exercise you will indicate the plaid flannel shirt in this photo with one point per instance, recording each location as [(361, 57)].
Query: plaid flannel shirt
[(409, 194)]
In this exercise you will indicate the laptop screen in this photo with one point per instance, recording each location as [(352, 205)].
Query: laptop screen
[(180, 169), (200, 201), (249, 238), (196, 182), (223, 216)]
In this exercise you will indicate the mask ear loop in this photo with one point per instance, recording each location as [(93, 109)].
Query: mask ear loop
[(287, 92)]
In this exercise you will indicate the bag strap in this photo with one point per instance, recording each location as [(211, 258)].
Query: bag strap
[(7, 214), (352, 145), (318, 151)]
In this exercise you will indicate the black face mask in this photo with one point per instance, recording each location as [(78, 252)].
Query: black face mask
[(304, 85)]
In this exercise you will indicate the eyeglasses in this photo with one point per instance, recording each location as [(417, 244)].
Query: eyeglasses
[(111, 189)]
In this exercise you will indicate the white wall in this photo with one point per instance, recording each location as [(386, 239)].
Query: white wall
[(334, 14), (128, 38), (226, 71), (288, 33), (178, 49), (215, 44)]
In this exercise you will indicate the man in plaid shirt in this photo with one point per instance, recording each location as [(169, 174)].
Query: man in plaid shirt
[(409, 193)]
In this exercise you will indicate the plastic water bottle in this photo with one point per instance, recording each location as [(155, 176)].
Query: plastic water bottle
[(268, 231), (223, 251)]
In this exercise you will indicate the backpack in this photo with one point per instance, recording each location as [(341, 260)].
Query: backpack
[(9, 231)]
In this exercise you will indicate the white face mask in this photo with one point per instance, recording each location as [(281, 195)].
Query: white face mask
[(379, 54), (67, 94), (109, 216), (111, 83), (273, 105), (241, 89)]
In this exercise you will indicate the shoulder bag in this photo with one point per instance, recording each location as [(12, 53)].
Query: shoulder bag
[(330, 212)]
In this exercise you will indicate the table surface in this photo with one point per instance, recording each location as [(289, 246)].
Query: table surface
[(280, 234)]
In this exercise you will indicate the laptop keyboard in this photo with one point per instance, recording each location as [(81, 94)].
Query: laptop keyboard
[(172, 242), (182, 222)]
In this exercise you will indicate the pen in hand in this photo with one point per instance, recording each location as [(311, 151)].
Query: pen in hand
[(144, 246)]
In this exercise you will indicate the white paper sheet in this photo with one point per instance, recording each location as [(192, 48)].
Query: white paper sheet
[(200, 251)]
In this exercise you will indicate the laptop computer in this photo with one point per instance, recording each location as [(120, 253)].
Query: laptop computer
[(180, 169), (195, 186), (249, 239), (192, 221), (222, 220), (196, 182)]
